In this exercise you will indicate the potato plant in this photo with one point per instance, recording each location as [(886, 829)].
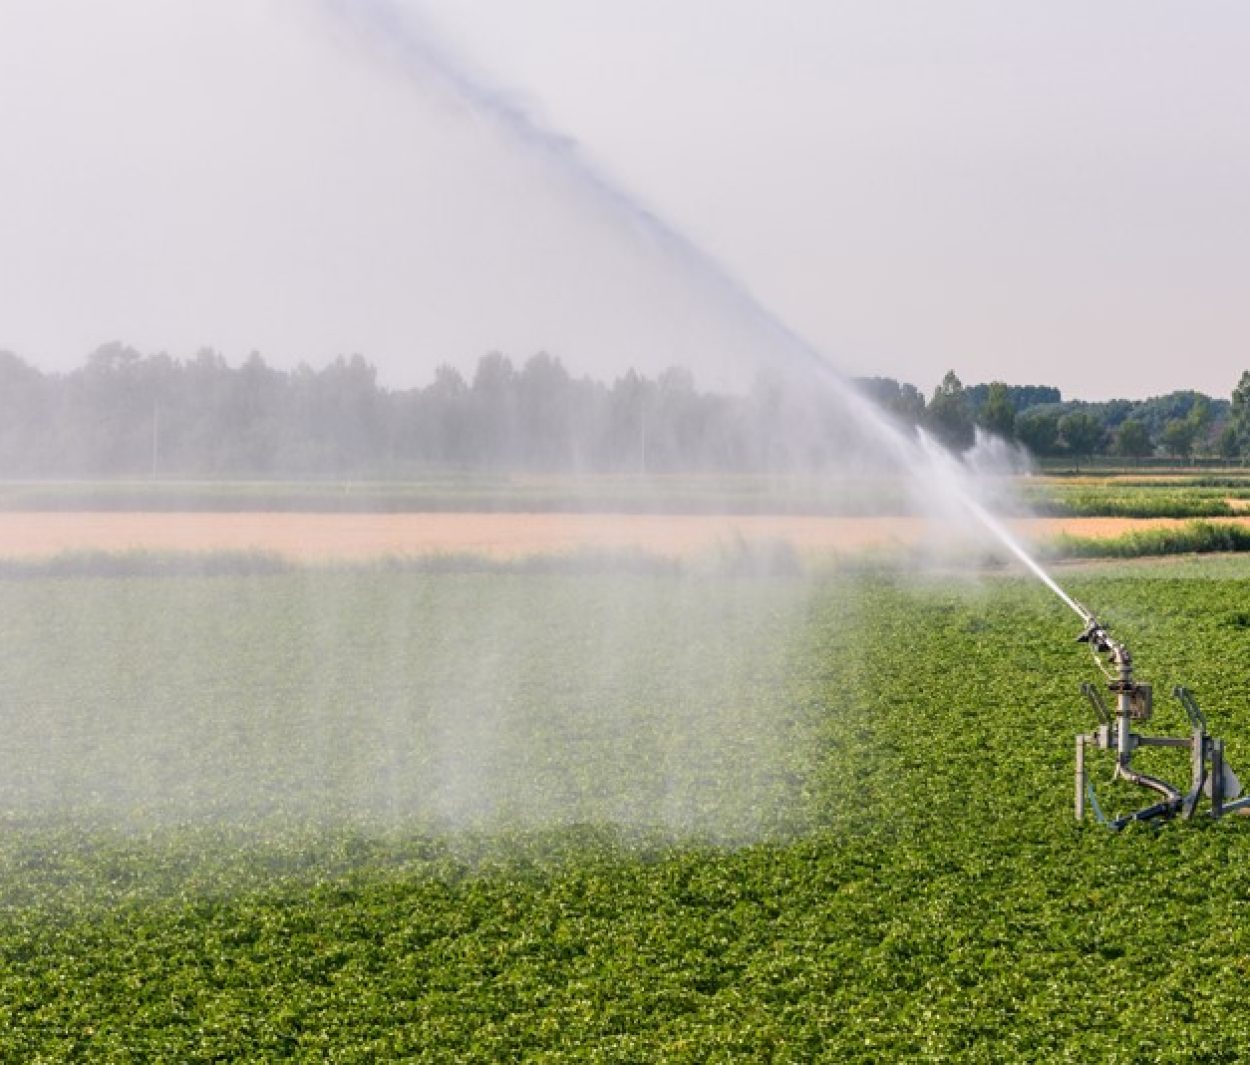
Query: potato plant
[(851, 842)]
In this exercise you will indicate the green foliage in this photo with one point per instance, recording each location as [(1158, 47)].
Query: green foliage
[(1038, 432), (1167, 495), (1228, 442), (773, 493), (1117, 500), (1082, 434), (1238, 440), (372, 696), (1195, 537), (1234, 480), (1022, 397), (939, 905), (125, 414), (1178, 438), (1132, 439), (903, 401), (949, 414), (1205, 416), (997, 414)]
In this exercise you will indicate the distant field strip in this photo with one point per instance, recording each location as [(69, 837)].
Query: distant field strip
[(330, 537)]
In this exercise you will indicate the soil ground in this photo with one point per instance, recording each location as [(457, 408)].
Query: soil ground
[(324, 537)]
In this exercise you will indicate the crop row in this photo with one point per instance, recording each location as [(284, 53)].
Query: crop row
[(764, 820)]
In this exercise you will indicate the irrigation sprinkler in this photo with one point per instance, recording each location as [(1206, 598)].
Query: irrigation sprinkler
[(1210, 775)]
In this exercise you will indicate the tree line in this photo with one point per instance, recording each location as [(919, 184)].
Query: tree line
[(1180, 426), (123, 413)]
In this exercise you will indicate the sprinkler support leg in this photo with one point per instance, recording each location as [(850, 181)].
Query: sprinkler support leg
[(1080, 778), (1199, 745), (1217, 778)]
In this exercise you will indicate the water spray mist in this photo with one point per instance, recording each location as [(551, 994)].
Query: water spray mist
[(414, 50)]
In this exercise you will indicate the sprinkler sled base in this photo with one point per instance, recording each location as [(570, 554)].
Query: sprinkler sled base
[(1210, 775)]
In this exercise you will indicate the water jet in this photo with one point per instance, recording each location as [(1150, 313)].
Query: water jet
[(930, 469)]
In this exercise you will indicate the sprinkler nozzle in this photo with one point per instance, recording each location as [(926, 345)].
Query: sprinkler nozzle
[(1096, 636)]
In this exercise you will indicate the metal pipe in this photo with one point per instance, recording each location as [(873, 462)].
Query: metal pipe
[(1125, 688), (1153, 783), (1080, 778), (1159, 809), (1123, 662), (1124, 733), (1217, 778)]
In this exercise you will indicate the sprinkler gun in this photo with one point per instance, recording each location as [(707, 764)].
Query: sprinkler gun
[(1210, 774)]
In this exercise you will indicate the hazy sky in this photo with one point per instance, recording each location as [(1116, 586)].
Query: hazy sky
[(1048, 192)]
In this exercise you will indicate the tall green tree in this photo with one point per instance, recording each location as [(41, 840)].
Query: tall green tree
[(1199, 417), (949, 414), (1227, 444), (1178, 437), (904, 401), (1132, 440), (1241, 395), (1239, 415), (1039, 432), (997, 414), (1082, 434)]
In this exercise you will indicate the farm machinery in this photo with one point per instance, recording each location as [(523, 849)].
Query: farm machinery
[(1210, 775)]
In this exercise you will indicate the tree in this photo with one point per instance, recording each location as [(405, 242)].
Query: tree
[(904, 401), (1132, 440), (1228, 443), (997, 414), (629, 419), (347, 394), (1082, 434), (1038, 432), (1199, 417), (441, 425), (25, 424), (1021, 397), (1241, 396), (545, 413), (494, 409), (1178, 437), (949, 415), (1239, 415)]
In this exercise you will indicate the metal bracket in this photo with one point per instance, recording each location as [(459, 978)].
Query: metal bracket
[(1209, 774), (1100, 708), (1196, 716)]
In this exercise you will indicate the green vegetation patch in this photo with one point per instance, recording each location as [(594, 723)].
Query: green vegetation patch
[(471, 492), (897, 878), (1115, 500), (1195, 537), (691, 493)]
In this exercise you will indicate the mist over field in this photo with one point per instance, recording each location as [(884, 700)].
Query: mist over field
[(558, 530), (706, 381), (736, 391), (408, 701)]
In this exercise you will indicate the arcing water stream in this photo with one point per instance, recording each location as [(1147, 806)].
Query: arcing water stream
[(1004, 536), (415, 51)]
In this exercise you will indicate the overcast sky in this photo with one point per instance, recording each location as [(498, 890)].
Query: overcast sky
[(1049, 192)]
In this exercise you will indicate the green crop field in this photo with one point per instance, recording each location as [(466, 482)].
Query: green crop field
[(1120, 493), (362, 816)]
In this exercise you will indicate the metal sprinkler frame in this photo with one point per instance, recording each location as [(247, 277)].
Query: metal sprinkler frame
[(1210, 774)]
